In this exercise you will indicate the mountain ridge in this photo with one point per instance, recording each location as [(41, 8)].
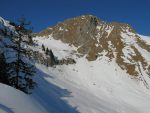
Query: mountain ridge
[(93, 36), (115, 81)]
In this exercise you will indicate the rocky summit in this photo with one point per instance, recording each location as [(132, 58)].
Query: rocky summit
[(95, 38), (81, 65)]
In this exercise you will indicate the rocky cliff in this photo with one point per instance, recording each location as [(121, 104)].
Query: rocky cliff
[(95, 38)]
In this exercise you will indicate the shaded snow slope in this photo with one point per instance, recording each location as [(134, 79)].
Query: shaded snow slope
[(4, 24), (145, 38), (98, 86), (14, 101), (89, 87)]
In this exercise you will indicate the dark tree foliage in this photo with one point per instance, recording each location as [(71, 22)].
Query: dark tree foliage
[(46, 51), (43, 47), (53, 58), (4, 69), (21, 72)]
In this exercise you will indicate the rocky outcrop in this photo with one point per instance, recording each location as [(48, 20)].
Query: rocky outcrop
[(95, 38), (66, 61), (49, 60)]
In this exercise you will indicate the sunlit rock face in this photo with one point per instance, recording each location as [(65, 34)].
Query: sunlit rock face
[(95, 38)]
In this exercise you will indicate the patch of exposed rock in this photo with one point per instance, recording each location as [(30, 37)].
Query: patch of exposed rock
[(93, 37), (49, 60)]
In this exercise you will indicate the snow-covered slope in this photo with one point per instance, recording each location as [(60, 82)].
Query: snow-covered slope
[(14, 101), (97, 86), (4, 24), (145, 38)]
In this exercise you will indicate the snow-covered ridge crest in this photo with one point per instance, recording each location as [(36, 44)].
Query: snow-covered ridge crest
[(4, 24), (94, 38), (99, 81)]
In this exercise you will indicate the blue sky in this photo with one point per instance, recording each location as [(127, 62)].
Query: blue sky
[(44, 13)]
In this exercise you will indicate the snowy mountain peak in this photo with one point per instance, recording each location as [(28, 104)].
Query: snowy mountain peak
[(97, 39), (97, 61)]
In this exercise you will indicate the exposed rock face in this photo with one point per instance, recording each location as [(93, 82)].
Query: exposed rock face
[(95, 38), (66, 61), (49, 60)]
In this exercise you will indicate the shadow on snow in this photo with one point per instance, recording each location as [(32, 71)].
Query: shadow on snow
[(50, 96), (6, 109)]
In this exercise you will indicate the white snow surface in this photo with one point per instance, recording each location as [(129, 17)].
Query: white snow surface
[(85, 87), (14, 101), (88, 87), (145, 38), (5, 24), (60, 49)]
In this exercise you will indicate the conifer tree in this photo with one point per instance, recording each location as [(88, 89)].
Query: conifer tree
[(22, 72), (53, 60), (4, 68), (43, 47), (47, 51)]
